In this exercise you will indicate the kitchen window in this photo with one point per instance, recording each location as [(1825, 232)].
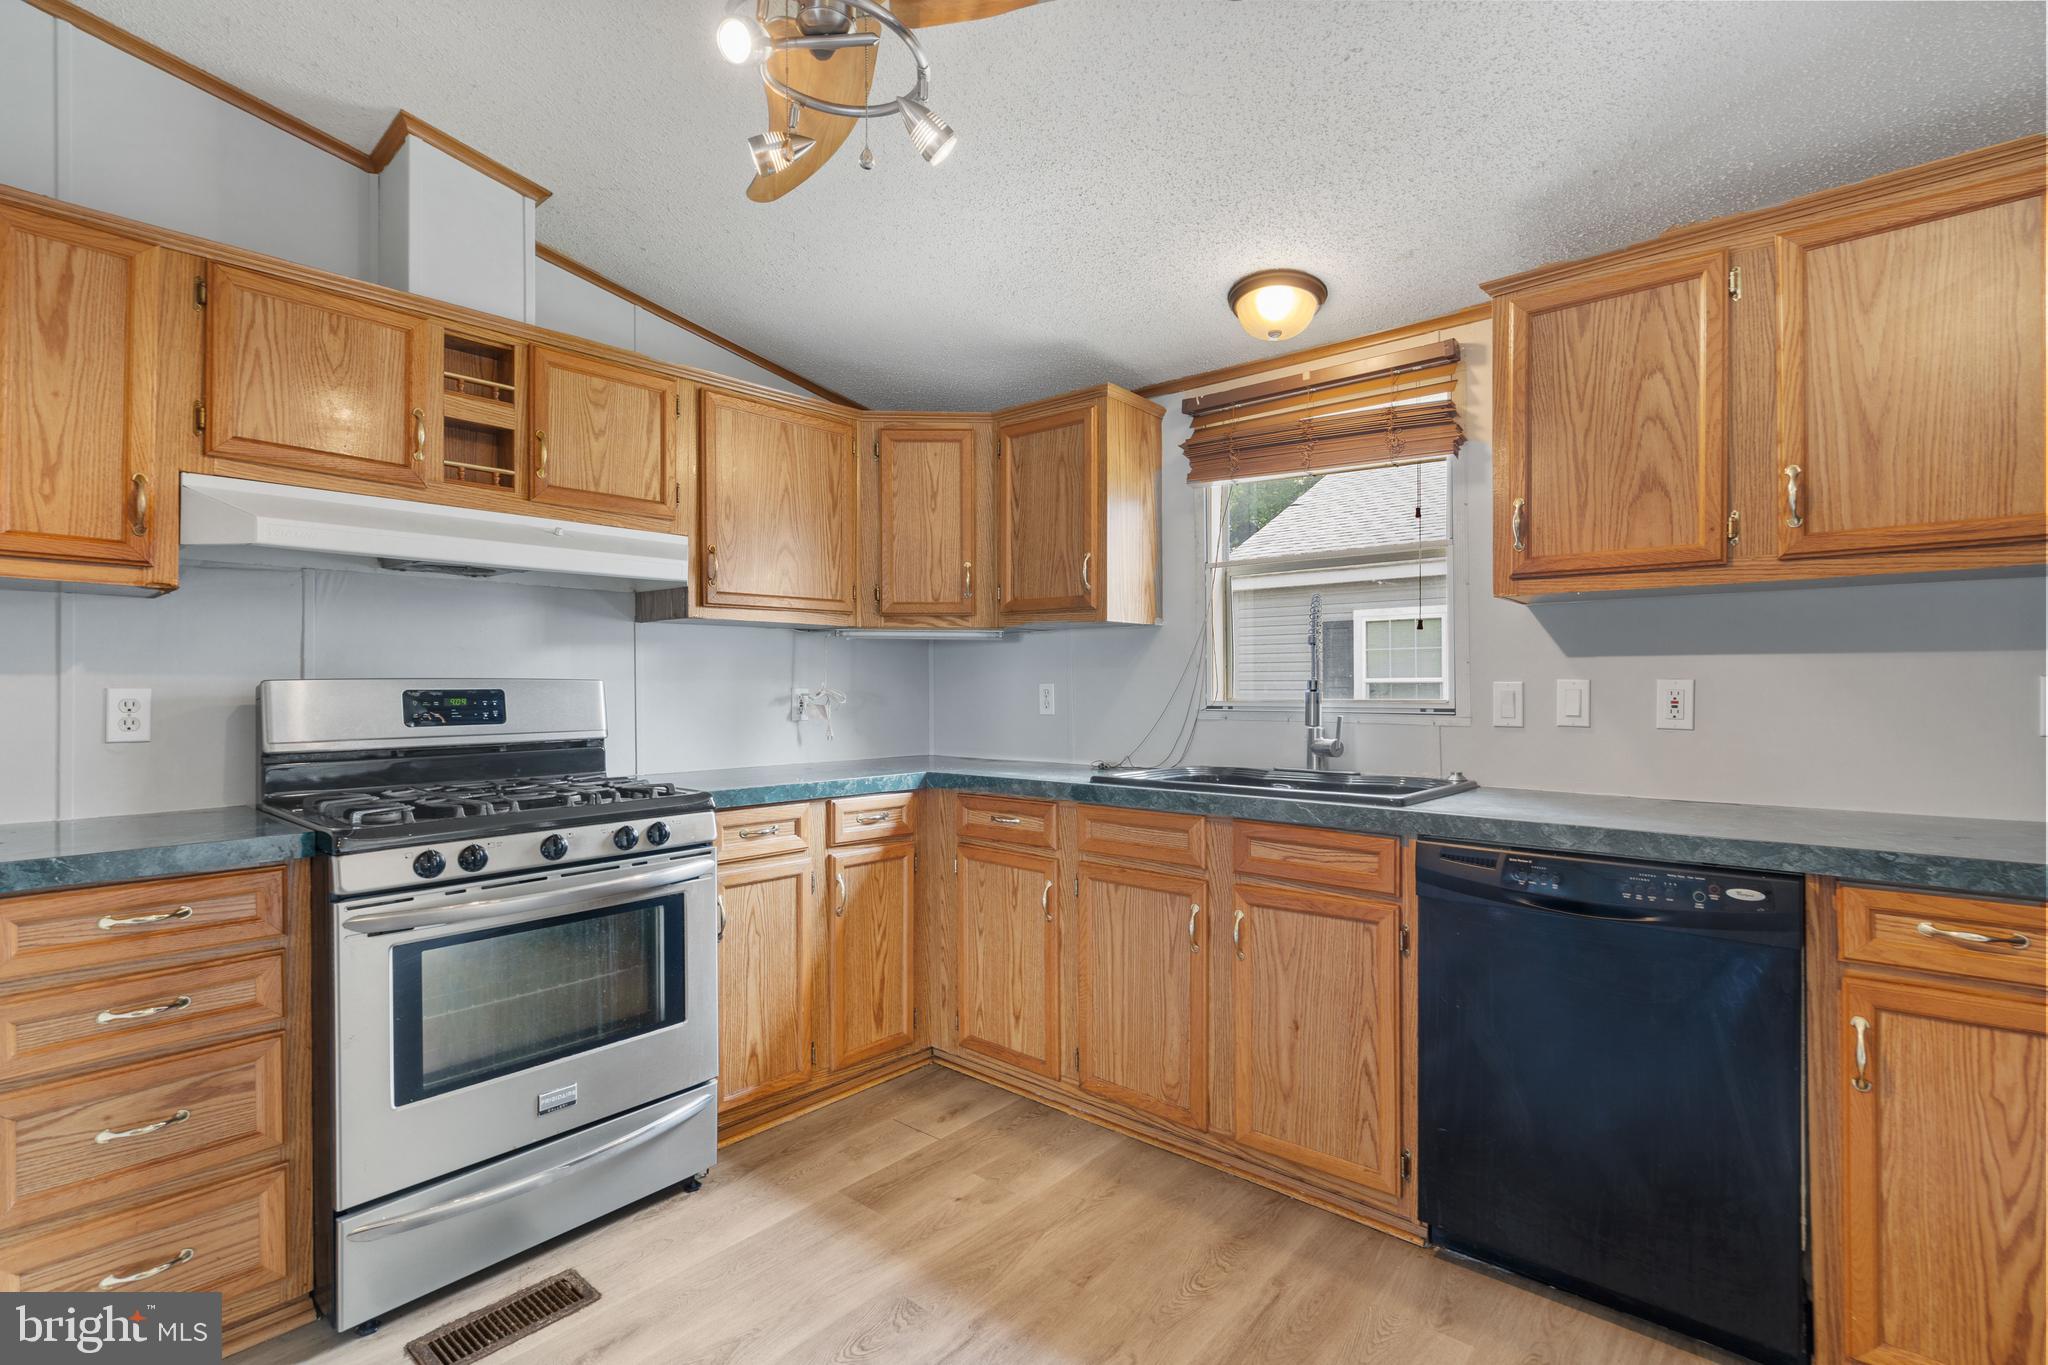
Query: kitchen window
[(1374, 545)]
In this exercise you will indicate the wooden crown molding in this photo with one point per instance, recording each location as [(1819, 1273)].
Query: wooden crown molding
[(405, 125), (1478, 312), (582, 271)]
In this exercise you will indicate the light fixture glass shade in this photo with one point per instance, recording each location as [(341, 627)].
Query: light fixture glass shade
[(1274, 305), (931, 135), (742, 39), (775, 151)]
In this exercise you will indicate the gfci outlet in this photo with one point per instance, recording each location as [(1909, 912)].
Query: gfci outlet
[(127, 715), (1045, 699), (1674, 703)]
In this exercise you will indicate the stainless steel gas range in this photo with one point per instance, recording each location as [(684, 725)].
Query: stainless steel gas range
[(520, 989)]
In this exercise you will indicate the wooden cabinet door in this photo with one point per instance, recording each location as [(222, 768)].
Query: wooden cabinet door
[(1944, 1242), (1052, 514), (779, 507), (79, 376), (1910, 377), (1317, 1072), (305, 379), (926, 481), (1144, 1000), (873, 988), (603, 436), (1612, 403), (1009, 957), (767, 910)]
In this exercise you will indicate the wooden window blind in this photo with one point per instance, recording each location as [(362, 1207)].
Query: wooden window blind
[(1394, 406)]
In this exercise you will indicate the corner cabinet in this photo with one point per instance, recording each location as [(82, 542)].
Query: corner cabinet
[(777, 512), (924, 535), (1009, 966)]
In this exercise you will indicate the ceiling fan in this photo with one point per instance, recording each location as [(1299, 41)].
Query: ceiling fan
[(817, 65)]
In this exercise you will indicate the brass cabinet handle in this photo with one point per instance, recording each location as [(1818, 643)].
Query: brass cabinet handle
[(840, 878), (1971, 936), (967, 581), (141, 507), (107, 1135), (419, 436), (1087, 577), (1515, 525), (1734, 527), (1792, 517), (1194, 909), (1045, 902), (1861, 1080), (879, 818), (1237, 934), (721, 919), (711, 563), (128, 921), (759, 831), (1006, 819), (540, 472), (114, 1281), (146, 1011)]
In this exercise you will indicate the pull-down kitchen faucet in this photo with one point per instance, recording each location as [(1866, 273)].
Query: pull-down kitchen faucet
[(1321, 747)]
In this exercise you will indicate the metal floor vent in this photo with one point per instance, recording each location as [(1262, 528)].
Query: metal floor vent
[(504, 1322)]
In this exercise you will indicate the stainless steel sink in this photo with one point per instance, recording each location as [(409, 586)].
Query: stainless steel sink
[(1369, 789)]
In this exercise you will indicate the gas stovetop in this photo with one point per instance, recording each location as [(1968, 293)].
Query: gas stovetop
[(373, 807)]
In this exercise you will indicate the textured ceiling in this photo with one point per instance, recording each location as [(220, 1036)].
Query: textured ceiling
[(1122, 162)]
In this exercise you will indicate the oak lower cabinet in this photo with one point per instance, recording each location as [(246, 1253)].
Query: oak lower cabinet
[(1142, 1016), (874, 919), (100, 362), (766, 976), (1008, 971), (777, 512)]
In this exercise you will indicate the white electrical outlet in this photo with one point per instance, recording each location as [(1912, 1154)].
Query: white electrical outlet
[(1045, 700), (1674, 703), (1574, 701), (127, 715), (1507, 704)]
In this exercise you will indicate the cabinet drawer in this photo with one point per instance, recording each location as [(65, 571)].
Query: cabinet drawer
[(1008, 820), (864, 819), (762, 831), (1926, 932), (123, 926), (227, 1239), (113, 1019), (1152, 836), (1368, 864), (72, 1143)]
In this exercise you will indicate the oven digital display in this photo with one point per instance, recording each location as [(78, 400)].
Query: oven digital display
[(429, 707)]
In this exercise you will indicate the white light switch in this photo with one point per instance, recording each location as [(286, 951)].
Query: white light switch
[(1574, 701), (1674, 703), (1507, 704), (1045, 699)]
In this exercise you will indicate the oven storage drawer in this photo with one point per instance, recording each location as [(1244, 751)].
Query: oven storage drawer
[(391, 1252), (111, 1020), (116, 927)]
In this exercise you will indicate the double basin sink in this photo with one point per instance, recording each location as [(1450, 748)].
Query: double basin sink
[(1365, 789)]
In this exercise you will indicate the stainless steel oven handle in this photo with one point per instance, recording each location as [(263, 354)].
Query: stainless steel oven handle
[(532, 904), (469, 1203)]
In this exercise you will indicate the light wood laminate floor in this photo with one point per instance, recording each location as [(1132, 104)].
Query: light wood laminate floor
[(937, 1218)]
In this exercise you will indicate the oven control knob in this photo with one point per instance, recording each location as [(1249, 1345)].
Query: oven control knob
[(625, 836), (554, 847), (657, 833), (473, 858), (429, 864)]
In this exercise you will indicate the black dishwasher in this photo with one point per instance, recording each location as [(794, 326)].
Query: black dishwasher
[(1610, 1084)]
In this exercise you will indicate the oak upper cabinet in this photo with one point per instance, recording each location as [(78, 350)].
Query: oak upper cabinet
[(1144, 1001), (768, 911), (1078, 509), (927, 526), (1316, 1075), (873, 916), (777, 512), (307, 380), (603, 436), (1612, 405), (1943, 1113), (1910, 375), (1009, 944), (99, 369)]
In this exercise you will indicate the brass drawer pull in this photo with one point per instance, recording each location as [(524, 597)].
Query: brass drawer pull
[(880, 818), (116, 1016), (1194, 909), (1972, 937), (1515, 525), (1045, 902), (967, 582), (1237, 934), (1792, 517), (721, 919), (840, 878), (711, 564), (1006, 819), (419, 436), (107, 1135), (760, 831), (1861, 1080), (1087, 574), (141, 522), (114, 1281), (130, 921), (540, 470)]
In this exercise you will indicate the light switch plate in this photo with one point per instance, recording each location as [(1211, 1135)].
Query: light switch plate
[(127, 715), (1507, 704), (1574, 701), (1674, 703)]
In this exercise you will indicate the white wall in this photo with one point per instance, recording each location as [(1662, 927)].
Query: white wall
[(1918, 697), (569, 303)]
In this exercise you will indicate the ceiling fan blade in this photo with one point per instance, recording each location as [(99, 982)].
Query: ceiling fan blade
[(844, 79), (931, 13)]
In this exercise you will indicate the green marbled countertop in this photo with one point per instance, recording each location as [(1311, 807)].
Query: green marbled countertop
[(127, 848)]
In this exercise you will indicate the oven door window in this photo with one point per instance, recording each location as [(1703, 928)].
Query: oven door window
[(470, 1007)]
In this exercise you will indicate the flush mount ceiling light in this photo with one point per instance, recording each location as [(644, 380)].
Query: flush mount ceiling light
[(1274, 305)]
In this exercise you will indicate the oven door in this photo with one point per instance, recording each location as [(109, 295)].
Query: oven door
[(473, 1023)]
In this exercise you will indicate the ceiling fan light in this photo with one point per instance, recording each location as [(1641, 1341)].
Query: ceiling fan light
[(775, 151), (1274, 305), (933, 137), (742, 39)]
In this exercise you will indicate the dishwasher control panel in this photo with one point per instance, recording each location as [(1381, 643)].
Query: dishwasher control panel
[(1608, 883)]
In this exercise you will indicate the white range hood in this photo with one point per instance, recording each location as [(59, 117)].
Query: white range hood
[(242, 521)]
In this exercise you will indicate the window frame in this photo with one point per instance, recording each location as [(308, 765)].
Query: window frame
[(1440, 612)]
